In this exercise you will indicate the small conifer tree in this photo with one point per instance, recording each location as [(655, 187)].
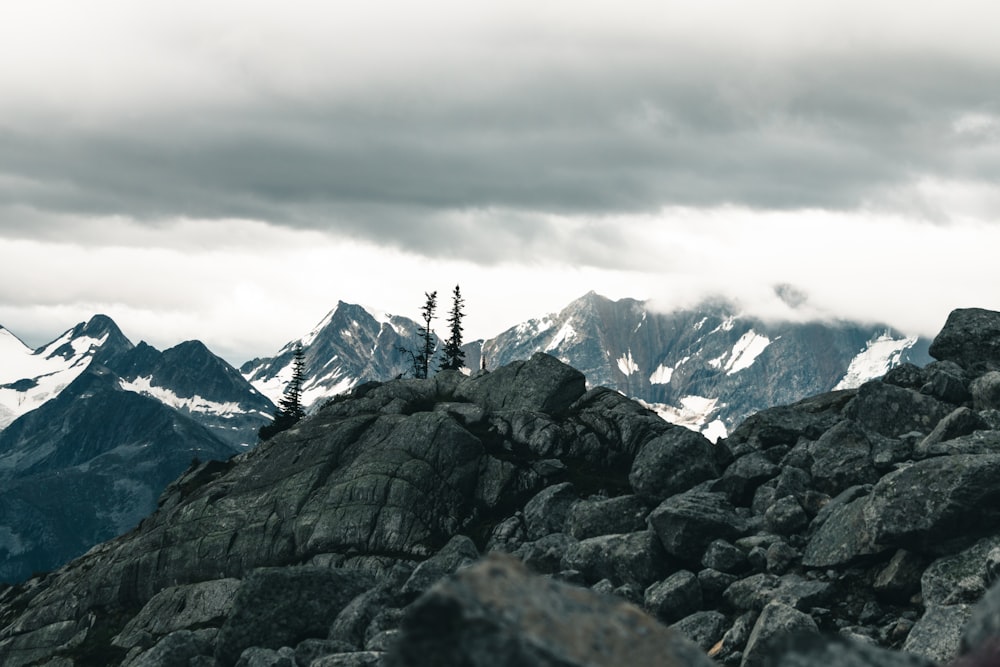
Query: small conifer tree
[(454, 355), (290, 409), (423, 358)]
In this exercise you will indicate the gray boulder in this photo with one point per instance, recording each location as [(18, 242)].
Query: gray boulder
[(938, 633), (842, 458), (983, 626), (892, 411), (841, 652), (985, 391), (843, 535), (266, 657), (961, 421), (744, 475), (777, 625), (961, 577), (606, 516), (180, 608), (970, 338), (277, 607), (542, 384), (672, 463), (173, 650), (630, 558), (675, 597), (704, 628), (546, 513), (459, 551), (687, 523), (497, 614), (899, 580), (934, 500)]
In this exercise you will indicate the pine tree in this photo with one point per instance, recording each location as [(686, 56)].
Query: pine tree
[(454, 355), (423, 358), (290, 409)]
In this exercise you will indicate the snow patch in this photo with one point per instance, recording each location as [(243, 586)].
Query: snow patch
[(565, 333), (145, 386), (43, 373), (880, 355), (661, 375), (715, 430), (693, 412), (627, 365), (745, 352)]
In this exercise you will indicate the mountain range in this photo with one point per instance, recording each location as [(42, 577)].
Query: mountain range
[(94, 427), (707, 367)]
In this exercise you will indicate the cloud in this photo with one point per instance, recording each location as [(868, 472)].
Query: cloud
[(404, 128)]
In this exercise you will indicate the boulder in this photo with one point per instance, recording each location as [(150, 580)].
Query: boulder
[(934, 500), (938, 633), (189, 607), (843, 652), (778, 624), (672, 463), (282, 606), (540, 384), (961, 577), (675, 597), (546, 512), (842, 458), (266, 657), (842, 535), (899, 580), (744, 475), (971, 339), (961, 421), (173, 650), (459, 551), (785, 516), (704, 628), (687, 523), (725, 557), (635, 558), (983, 626), (946, 382), (545, 555), (985, 391), (606, 516), (784, 425), (407, 493), (892, 411), (497, 614)]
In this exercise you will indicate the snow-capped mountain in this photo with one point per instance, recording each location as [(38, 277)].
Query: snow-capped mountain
[(29, 378), (707, 367), (96, 427), (350, 345)]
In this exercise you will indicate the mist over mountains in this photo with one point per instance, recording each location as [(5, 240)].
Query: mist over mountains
[(707, 367)]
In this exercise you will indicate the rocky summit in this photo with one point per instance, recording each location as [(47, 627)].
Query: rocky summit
[(515, 517)]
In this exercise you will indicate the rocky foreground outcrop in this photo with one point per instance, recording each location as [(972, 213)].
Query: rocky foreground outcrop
[(854, 528)]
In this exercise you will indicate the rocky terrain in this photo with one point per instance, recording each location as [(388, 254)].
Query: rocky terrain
[(515, 517)]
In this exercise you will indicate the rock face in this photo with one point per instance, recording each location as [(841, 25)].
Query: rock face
[(358, 536)]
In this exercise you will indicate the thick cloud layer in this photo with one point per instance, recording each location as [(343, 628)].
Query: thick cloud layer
[(513, 134)]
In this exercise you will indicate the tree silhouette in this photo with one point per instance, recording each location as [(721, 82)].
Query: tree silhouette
[(454, 355), (423, 358), (290, 409)]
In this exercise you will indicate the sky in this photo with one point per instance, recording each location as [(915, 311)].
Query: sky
[(228, 171)]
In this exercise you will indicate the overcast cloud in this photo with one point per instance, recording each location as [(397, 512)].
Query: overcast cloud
[(179, 164)]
